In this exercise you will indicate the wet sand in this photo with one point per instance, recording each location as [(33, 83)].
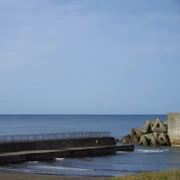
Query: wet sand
[(21, 176)]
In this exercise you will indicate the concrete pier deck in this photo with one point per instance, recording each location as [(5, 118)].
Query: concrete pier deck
[(44, 155), (44, 147)]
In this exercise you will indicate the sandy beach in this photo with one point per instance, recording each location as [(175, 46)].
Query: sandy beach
[(22, 176)]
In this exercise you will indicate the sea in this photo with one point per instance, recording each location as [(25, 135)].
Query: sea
[(143, 159)]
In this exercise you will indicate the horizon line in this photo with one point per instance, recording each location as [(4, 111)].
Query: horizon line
[(85, 114)]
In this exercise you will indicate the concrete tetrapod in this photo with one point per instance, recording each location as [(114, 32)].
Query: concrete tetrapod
[(146, 128), (152, 133), (143, 141), (135, 132), (158, 126), (153, 140), (136, 139), (163, 137), (156, 134), (126, 139)]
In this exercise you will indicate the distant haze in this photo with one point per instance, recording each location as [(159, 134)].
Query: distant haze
[(89, 56)]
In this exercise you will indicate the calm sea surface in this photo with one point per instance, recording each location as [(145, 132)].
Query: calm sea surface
[(142, 159)]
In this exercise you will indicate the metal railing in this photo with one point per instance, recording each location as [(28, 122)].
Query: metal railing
[(52, 136)]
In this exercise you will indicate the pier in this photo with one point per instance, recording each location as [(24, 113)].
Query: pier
[(43, 147)]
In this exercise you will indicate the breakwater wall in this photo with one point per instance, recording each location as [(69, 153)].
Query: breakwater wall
[(19, 157), (174, 128), (49, 149), (14, 146)]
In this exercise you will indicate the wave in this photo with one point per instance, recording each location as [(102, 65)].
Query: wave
[(121, 152), (151, 150), (32, 162), (59, 159), (63, 168), (15, 170), (122, 170)]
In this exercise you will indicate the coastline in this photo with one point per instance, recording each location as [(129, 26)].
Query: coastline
[(23, 176), (168, 174)]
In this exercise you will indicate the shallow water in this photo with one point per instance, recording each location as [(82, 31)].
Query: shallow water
[(141, 160)]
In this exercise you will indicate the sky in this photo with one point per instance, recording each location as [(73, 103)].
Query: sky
[(89, 56)]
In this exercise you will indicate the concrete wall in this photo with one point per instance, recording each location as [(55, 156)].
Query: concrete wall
[(174, 128), (69, 153), (55, 144)]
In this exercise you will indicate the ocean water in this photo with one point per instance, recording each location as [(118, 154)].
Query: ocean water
[(143, 159)]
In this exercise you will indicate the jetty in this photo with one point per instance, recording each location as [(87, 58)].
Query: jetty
[(43, 147)]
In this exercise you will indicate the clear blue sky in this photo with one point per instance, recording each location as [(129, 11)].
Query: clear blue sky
[(89, 56)]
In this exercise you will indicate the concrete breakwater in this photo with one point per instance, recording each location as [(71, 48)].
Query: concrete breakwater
[(44, 155), (174, 128), (36, 150), (55, 144), (152, 133)]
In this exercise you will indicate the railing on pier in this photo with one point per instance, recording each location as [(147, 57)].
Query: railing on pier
[(52, 136)]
